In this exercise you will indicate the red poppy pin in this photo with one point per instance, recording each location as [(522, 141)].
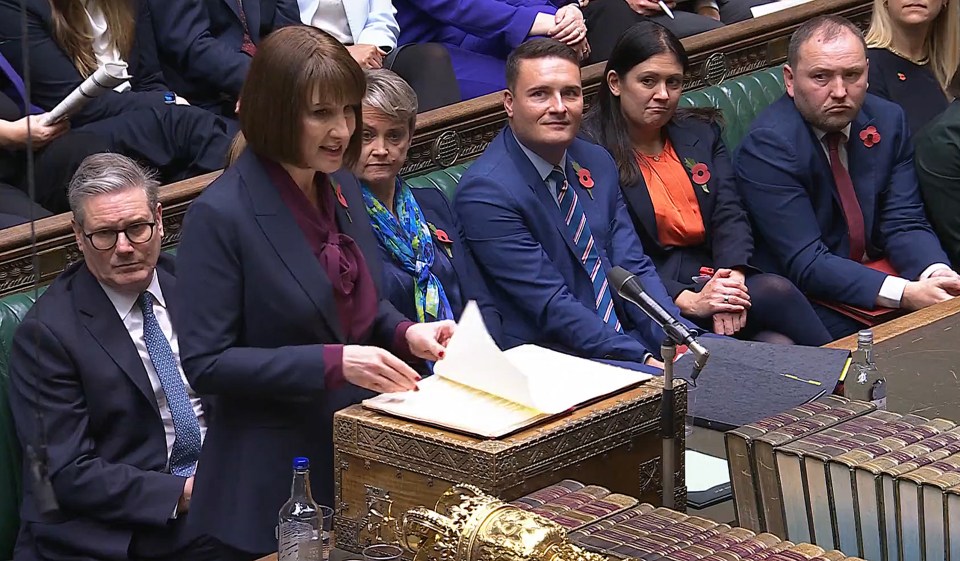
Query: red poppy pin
[(445, 242), (902, 76), (340, 198), (870, 136), (699, 172), (583, 175)]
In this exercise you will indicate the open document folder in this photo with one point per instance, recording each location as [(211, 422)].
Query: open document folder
[(480, 390)]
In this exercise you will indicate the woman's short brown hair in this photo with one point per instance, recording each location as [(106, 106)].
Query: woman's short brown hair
[(292, 64)]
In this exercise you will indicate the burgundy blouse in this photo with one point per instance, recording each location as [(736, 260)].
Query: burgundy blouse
[(342, 260)]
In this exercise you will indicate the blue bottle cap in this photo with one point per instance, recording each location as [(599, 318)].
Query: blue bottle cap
[(301, 463)]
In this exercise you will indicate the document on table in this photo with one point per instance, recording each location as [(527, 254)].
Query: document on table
[(481, 390)]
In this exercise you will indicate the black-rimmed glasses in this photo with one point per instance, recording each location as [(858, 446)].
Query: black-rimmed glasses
[(138, 233)]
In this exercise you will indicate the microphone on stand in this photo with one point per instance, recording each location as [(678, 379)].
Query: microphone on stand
[(630, 288)]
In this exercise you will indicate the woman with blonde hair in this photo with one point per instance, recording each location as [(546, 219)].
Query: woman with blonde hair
[(70, 39), (914, 47)]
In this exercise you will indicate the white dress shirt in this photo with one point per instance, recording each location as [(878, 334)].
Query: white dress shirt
[(332, 18), (891, 291), (132, 317), (104, 49)]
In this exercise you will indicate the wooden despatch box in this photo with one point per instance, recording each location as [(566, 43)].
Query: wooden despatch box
[(384, 466)]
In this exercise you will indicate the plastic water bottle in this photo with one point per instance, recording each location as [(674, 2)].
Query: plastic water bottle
[(866, 384), (298, 533)]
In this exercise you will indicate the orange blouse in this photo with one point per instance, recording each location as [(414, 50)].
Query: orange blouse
[(675, 204)]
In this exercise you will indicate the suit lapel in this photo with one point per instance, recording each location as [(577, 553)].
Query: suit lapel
[(100, 319), (688, 148), (355, 222), (539, 187), (251, 9), (281, 230)]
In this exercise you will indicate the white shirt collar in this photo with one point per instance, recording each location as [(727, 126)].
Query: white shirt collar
[(123, 302), (543, 167), (845, 131)]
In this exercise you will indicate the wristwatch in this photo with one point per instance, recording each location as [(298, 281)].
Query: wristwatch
[(169, 98)]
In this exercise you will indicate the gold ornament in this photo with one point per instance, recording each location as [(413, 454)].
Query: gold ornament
[(469, 525)]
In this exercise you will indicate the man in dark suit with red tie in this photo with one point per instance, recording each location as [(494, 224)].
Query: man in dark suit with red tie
[(827, 176), (205, 46)]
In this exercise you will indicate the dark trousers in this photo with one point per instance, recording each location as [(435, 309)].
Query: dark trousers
[(429, 71), (779, 313), (203, 549), (53, 166), (180, 141), (836, 323)]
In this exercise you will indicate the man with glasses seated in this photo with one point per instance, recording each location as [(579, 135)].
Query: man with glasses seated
[(96, 387)]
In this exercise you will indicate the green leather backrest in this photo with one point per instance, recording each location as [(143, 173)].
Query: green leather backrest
[(12, 310), (740, 99)]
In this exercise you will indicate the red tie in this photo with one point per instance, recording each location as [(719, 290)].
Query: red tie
[(247, 47), (848, 198)]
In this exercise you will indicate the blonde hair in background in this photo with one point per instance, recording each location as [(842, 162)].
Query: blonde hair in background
[(389, 94), (943, 39), (71, 30)]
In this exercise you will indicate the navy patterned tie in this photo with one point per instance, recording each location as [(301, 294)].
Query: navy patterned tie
[(186, 446), (579, 232)]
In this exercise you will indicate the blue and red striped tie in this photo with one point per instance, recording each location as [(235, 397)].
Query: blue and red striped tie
[(579, 232)]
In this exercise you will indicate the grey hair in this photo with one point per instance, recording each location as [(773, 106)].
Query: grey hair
[(392, 96), (828, 27), (99, 174)]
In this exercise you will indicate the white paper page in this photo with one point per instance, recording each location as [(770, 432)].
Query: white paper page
[(704, 472), (559, 381), (473, 359), (773, 7), (445, 403)]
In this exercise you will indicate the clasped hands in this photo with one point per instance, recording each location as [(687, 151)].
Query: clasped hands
[(725, 298), (379, 370), (566, 26), (941, 285)]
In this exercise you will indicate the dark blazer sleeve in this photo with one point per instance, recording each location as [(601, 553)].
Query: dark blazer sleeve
[(938, 170), (771, 185), (184, 27), (213, 299), (731, 236), (45, 384), (517, 265), (148, 76), (53, 76)]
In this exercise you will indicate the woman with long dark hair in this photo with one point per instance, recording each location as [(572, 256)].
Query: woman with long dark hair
[(680, 190)]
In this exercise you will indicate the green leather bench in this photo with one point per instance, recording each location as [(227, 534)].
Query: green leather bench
[(740, 99)]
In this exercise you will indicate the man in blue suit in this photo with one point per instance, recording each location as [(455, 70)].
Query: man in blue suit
[(543, 214), (97, 393), (827, 176), (205, 46)]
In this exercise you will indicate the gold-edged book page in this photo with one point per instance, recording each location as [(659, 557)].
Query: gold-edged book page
[(447, 404)]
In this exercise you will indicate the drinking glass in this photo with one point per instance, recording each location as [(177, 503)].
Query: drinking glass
[(382, 552), (325, 531)]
